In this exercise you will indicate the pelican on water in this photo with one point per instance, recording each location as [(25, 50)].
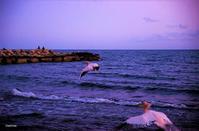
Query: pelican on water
[(89, 67), (151, 117)]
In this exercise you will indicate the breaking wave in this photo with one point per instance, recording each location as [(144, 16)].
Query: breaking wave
[(17, 92)]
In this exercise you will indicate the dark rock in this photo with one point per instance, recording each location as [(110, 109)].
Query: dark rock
[(8, 56), (68, 58), (57, 59), (21, 60), (33, 60), (46, 59), (9, 60)]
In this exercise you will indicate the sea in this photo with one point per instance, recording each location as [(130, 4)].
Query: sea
[(51, 96)]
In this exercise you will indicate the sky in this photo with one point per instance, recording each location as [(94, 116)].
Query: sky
[(99, 24)]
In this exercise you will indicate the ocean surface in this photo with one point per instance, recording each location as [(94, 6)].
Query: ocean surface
[(54, 98)]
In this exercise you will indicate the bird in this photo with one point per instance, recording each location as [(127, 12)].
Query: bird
[(151, 117), (89, 67)]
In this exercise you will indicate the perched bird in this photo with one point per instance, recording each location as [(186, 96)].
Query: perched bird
[(152, 117), (89, 67)]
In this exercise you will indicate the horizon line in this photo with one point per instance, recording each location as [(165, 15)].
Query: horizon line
[(104, 49)]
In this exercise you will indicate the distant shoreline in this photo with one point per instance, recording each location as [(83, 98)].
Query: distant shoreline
[(20, 56)]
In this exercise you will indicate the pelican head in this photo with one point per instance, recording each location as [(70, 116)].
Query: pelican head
[(96, 68), (145, 105)]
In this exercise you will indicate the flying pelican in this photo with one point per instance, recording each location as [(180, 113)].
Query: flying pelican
[(90, 67), (151, 117)]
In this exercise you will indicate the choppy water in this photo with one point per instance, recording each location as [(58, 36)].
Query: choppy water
[(102, 100)]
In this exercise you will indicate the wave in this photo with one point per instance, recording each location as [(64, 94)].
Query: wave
[(172, 89), (32, 114), (124, 75), (108, 86), (154, 86), (89, 84), (16, 77), (19, 93), (101, 85)]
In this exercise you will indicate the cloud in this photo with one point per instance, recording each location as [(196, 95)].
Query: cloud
[(193, 35), (172, 36), (178, 26), (150, 20), (170, 40)]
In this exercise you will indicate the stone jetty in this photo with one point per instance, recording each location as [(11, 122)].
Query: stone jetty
[(13, 56)]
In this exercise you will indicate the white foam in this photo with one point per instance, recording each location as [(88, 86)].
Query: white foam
[(89, 100), (24, 94), (51, 97), (17, 92)]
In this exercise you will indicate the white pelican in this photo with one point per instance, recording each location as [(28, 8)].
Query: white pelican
[(89, 67), (151, 117)]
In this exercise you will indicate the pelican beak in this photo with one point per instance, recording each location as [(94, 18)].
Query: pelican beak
[(97, 68)]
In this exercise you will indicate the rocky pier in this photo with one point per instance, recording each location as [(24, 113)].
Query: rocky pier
[(13, 56)]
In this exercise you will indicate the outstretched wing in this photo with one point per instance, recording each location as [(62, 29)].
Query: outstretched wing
[(162, 120), (163, 116), (142, 120), (86, 70), (152, 118), (83, 73)]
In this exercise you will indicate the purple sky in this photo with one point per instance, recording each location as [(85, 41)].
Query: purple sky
[(111, 24)]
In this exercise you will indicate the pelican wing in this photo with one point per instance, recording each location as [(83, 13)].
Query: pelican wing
[(161, 120), (86, 70), (142, 120), (152, 117), (167, 119), (83, 73)]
